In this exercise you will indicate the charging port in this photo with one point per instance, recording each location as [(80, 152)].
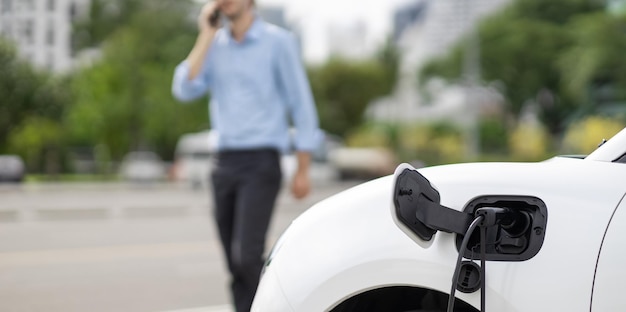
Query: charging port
[(518, 232)]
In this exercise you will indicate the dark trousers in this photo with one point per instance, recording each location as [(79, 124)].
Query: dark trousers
[(245, 186)]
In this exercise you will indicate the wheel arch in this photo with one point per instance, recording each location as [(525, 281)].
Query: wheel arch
[(399, 298)]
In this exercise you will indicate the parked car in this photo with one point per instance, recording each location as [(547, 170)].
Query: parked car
[(193, 158), (544, 236), (142, 167), (12, 168), (362, 163), (195, 154)]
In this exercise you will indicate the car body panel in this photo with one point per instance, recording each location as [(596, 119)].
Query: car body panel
[(610, 273), (274, 298), (611, 150), (351, 243)]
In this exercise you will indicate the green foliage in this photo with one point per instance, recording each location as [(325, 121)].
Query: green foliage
[(597, 56), (555, 11), (25, 93), (493, 136), (343, 89), (521, 48), (433, 143), (447, 67), (520, 54), (103, 19), (428, 143), (389, 58), (124, 101), (33, 138), (370, 135), (529, 142), (584, 136)]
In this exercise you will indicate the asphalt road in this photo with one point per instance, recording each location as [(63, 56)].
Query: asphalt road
[(118, 247)]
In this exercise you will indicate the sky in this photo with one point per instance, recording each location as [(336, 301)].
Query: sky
[(317, 16)]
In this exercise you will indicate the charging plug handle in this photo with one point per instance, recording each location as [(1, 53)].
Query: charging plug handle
[(494, 215)]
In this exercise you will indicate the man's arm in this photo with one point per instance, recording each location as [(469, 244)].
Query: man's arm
[(186, 85), (206, 33), (302, 108)]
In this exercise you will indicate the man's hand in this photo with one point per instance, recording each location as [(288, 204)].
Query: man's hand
[(301, 184), (203, 19)]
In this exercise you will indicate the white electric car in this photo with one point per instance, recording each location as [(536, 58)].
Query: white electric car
[(545, 236)]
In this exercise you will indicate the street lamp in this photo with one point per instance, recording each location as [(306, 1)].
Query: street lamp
[(471, 74)]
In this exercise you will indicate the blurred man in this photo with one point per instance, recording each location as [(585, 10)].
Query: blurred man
[(258, 86)]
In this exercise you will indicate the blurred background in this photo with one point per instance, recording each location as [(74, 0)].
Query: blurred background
[(86, 82), (107, 209)]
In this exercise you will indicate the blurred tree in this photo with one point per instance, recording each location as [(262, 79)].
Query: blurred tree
[(493, 135), (520, 47), (584, 136), (40, 142), (103, 18), (124, 101), (529, 141), (521, 55), (389, 57), (594, 68), (343, 89), (416, 142), (555, 11), (27, 93)]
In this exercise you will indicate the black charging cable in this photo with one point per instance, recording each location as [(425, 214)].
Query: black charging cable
[(457, 270), (483, 217), (483, 270)]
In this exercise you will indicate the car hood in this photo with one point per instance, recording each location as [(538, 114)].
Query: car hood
[(351, 241)]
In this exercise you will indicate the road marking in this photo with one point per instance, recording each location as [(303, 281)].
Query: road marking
[(222, 308), (104, 254)]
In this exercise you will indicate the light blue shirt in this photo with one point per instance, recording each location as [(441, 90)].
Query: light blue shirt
[(257, 86)]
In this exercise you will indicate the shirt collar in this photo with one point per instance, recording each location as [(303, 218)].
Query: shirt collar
[(253, 33)]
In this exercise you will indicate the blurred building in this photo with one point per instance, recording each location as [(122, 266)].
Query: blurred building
[(406, 16), (41, 30), (428, 29), (443, 23)]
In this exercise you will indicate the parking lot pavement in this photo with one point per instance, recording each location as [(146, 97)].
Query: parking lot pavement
[(96, 201), (117, 247)]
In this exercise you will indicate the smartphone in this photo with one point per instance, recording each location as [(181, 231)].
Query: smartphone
[(214, 19)]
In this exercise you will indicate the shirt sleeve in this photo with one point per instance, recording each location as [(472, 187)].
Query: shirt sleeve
[(297, 92), (185, 89)]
